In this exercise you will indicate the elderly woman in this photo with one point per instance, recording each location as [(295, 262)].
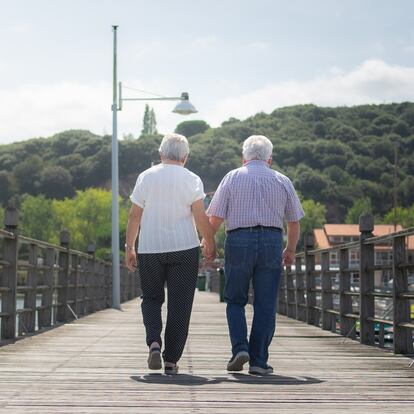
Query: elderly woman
[(167, 206)]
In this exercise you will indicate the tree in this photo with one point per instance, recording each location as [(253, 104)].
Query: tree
[(190, 128), (360, 206), (149, 123), (27, 174), (1, 217), (314, 216), (37, 219), (405, 216), (7, 186), (56, 182)]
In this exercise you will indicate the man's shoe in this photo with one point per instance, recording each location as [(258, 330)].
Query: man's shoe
[(237, 361), (154, 358), (260, 371)]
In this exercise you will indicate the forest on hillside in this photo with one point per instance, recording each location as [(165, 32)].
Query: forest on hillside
[(335, 156)]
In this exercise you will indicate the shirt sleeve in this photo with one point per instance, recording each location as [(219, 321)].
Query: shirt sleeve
[(198, 191), (293, 209), (138, 196), (220, 202)]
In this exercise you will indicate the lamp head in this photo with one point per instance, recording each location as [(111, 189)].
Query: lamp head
[(185, 107)]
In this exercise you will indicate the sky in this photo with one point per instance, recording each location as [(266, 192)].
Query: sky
[(234, 57)]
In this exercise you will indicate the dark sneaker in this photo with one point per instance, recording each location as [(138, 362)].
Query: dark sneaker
[(260, 371), (154, 358), (237, 361), (168, 370)]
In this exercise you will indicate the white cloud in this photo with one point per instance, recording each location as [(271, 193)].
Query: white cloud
[(374, 81), (43, 110)]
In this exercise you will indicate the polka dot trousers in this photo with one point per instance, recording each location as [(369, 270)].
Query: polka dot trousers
[(178, 271)]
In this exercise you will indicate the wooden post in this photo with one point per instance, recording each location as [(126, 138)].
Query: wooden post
[(281, 304), (290, 294), (366, 281), (345, 301), (63, 311), (9, 275), (30, 296), (312, 317), (326, 285), (403, 339), (300, 290), (45, 314), (90, 280)]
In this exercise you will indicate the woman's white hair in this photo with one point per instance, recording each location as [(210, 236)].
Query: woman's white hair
[(257, 147), (174, 147)]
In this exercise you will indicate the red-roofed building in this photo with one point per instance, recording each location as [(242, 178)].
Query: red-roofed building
[(332, 235)]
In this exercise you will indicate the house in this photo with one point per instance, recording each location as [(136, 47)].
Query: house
[(332, 235)]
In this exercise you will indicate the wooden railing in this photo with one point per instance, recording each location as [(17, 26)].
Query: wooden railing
[(43, 285), (347, 299)]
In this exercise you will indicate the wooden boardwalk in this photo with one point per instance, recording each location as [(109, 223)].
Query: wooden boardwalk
[(98, 365)]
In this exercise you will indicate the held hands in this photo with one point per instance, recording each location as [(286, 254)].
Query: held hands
[(208, 249), (131, 260), (288, 257)]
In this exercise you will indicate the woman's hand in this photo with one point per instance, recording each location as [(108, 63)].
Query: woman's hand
[(131, 260), (208, 249)]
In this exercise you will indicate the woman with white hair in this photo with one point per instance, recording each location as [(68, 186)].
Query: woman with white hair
[(167, 206)]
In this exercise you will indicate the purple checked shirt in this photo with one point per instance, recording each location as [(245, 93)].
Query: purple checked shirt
[(255, 195)]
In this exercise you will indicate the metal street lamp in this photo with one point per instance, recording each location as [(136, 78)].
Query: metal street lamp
[(184, 107)]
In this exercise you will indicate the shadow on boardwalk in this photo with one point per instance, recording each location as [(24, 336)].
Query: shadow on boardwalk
[(196, 380)]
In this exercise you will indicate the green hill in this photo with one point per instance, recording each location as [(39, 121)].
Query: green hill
[(333, 155)]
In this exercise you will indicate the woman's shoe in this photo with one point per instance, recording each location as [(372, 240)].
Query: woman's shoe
[(171, 370), (260, 371), (154, 358)]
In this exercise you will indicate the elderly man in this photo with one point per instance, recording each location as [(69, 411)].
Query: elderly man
[(255, 200)]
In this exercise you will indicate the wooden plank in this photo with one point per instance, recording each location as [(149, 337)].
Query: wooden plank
[(98, 364)]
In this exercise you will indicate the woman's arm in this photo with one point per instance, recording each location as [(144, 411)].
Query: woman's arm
[(134, 221), (205, 229)]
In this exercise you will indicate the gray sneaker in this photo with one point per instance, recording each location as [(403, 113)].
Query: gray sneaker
[(260, 371), (154, 358), (237, 361)]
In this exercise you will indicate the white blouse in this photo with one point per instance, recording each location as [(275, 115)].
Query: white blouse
[(166, 193)]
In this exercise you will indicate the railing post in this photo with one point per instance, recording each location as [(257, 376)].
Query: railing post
[(326, 286), (45, 314), (311, 312), (91, 290), (281, 302), (221, 284), (290, 294), (300, 290), (403, 340), (345, 301), (63, 311), (366, 281), (30, 296), (9, 280)]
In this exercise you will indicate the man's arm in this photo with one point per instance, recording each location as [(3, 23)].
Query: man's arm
[(134, 221), (205, 229), (215, 223), (293, 233)]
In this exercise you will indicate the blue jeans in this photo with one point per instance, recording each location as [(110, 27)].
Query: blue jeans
[(252, 255)]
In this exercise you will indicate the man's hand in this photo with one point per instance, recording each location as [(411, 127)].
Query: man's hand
[(288, 257), (131, 260)]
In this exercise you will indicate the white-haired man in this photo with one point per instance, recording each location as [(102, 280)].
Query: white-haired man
[(255, 201), (166, 202)]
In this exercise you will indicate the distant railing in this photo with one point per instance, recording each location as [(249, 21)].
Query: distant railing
[(44, 285), (324, 296)]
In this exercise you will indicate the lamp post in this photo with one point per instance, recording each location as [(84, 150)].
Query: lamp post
[(184, 107)]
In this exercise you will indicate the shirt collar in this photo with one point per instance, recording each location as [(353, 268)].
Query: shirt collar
[(257, 163)]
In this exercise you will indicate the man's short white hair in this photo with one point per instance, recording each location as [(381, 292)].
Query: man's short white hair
[(257, 147), (174, 147)]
